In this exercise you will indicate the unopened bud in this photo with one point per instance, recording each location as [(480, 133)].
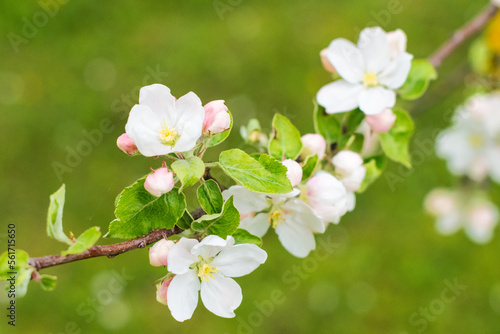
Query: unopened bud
[(397, 42), (126, 144), (440, 201), (217, 118), (313, 144), (161, 290), (346, 162), (381, 122), (294, 171), (160, 182), (158, 254)]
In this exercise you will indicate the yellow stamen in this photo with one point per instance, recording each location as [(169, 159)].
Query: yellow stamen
[(168, 135), (206, 272), (370, 79), (476, 140), (276, 218)]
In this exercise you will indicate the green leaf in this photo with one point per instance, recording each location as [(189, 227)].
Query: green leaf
[(421, 74), (86, 240), (220, 137), (326, 125), (374, 168), (138, 212), (189, 170), (285, 142), (354, 119), (481, 56), (185, 221), (221, 224), (55, 215), (11, 262), (48, 282), (395, 142), (23, 277), (352, 142), (265, 175), (210, 197), (309, 167), (242, 236)]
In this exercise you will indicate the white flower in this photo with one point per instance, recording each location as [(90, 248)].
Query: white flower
[(313, 144), (327, 196), (208, 266), (293, 220), (160, 125), (369, 74), (349, 166), (158, 254), (471, 146), (160, 182)]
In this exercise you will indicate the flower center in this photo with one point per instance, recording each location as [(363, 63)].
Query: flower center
[(206, 271), (370, 79), (476, 141), (276, 218), (168, 135)]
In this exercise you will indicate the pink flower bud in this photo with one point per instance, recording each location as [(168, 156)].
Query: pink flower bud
[(158, 254), (397, 42), (440, 202), (126, 144), (346, 162), (217, 118), (313, 144), (160, 182), (294, 171), (326, 63), (161, 291), (382, 122)]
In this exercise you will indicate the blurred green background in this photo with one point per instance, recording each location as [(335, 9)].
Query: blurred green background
[(83, 65)]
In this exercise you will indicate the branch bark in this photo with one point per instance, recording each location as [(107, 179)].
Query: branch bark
[(462, 34)]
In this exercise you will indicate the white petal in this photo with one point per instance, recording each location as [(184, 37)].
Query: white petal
[(339, 96), (159, 99), (257, 225), (297, 239), (346, 59), (180, 257), (211, 245), (189, 124), (221, 295), (374, 100), (246, 201), (239, 260), (303, 214), (182, 295), (374, 47), (449, 223), (395, 73), (350, 201)]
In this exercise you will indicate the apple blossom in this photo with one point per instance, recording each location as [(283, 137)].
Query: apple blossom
[(349, 166), (162, 289), (160, 124), (207, 266), (160, 182), (369, 74), (158, 254), (397, 42), (217, 118), (294, 171), (313, 144), (381, 123), (126, 144)]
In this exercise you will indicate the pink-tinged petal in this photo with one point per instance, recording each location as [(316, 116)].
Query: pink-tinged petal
[(158, 254), (211, 245), (301, 213), (246, 201), (325, 62), (162, 290), (295, 237), (159, 99), (258, 225), (217, 118), (160, 182), (239, 260), (383, 122), (294, 171), (374, 100), (221, 295), (374, 47), (339, 96), (182, 295), (347, 60), (180, 256), (126, 144), (313, 144), (395, 73)]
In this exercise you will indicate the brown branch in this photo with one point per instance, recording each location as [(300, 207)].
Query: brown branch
[(461, 35)]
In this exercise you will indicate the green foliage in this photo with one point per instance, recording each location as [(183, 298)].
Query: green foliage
[(185, 221), (309, 167), (326, 125), (210, 197), (221, 224), (285, 141), (55, 215), (12, 262), (220, 137), (86, 240), (480, 56), (23, 277), (48, 282), (265, 175), (374, 168), (421, 74), (353, 120), (242, 236), (138, 212), (395, 142), (188, 170)]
